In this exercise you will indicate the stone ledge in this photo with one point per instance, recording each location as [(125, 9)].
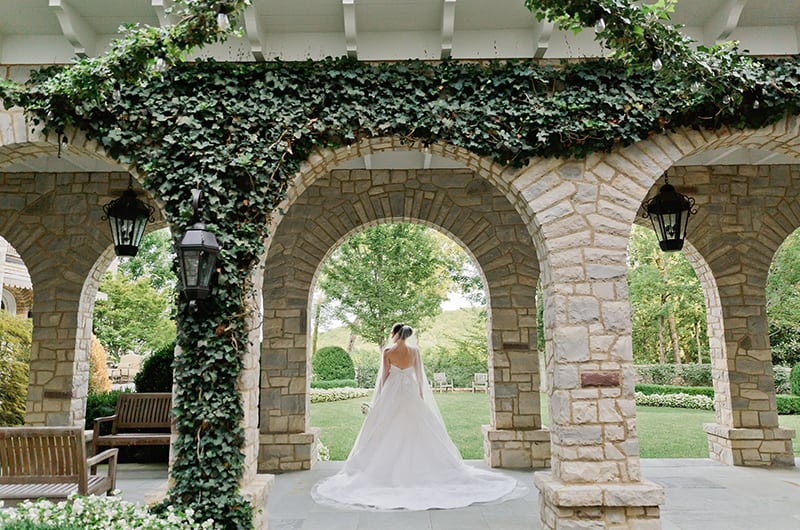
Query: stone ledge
[(516, 435), (741, 433), (557, 493)]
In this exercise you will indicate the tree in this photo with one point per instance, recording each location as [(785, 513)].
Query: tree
[(134, 317), (153, 261), (667, 301), (99, 382), (385, 274), (783, 302)]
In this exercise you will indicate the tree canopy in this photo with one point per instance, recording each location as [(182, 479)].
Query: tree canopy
[(390, 273)]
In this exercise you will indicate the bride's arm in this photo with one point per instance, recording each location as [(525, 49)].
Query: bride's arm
[(386, 366)]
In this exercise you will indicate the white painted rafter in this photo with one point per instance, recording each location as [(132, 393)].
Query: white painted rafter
[(255, 34), (541, 37), (75, 28), (722, 22), (160, 7), (448, 27), (350, 34)]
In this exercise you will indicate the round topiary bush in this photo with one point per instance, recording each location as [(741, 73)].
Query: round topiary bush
[(332, 362), (794, 380), (156, 372)]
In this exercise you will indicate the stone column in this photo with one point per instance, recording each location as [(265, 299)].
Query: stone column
[(255, 487), (287, 442), (746, 432), (585, 210), (515, 439), (743, 214), (59, 368)]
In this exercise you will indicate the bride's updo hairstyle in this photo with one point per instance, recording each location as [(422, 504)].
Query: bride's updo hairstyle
[(402, 331), (405, 332)]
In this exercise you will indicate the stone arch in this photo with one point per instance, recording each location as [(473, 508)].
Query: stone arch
[(54, 220), (456, 202)]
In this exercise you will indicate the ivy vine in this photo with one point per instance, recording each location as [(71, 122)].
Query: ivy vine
[(241, 130)]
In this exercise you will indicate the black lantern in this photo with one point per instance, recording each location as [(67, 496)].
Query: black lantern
[(669, 212), (127, 217), (197, 253)]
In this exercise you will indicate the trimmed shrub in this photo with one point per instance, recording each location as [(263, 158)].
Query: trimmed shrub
[(781, 374), (670, 389), (156, 372), (99, 405), (794, 380), (331, 363), (334, 383), (670, 374), (788, 404), (98, 368)]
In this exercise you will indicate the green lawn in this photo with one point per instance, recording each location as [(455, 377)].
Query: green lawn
[(663, 432)]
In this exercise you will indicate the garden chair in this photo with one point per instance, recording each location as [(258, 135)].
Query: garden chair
[(480, 382), (440, 382)]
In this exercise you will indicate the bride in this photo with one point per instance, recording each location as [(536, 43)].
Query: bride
[(403, 457)]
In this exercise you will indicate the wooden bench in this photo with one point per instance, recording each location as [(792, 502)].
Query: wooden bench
[(50, 463), (140, 419)]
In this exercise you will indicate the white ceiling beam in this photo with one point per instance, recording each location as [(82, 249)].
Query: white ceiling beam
[(75, 28), (350, 33), (160, 7), (722, 22), (448, 27), (542, 32), (255, 34)]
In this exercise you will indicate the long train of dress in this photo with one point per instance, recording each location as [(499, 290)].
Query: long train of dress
[(403, 458)]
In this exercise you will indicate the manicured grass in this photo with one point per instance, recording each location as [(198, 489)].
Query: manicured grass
[(663, 432)]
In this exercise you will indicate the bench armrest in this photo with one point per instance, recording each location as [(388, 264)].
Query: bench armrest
[(111, 456), (108, 454), (104, 419)]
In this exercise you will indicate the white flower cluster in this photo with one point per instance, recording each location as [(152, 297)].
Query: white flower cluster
[(682, 401), (323, 453), (101, 513), (322, 395)]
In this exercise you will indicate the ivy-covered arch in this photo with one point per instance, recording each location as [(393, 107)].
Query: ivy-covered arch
[(242, 131), (457, 202)]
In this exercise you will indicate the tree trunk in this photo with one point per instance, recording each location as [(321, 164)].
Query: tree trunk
[(662, 356), (697, 340), (351, 342), (315, 331), (673, 335)]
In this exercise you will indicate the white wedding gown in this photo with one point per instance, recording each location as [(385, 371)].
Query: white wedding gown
[(403, 458)]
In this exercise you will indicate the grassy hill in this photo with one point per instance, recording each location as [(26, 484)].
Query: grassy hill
[(439, 332)]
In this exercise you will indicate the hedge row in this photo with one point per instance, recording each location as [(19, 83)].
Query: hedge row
[(335, 383), (671, 389), (674, 374)]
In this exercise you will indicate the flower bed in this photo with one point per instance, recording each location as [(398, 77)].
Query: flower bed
[(684, 401), (98, 513), (321, 395)]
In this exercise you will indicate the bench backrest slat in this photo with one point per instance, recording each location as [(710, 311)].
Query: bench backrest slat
[(146, 411), (42, 454)]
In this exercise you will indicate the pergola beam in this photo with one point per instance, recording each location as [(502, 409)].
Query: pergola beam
[(160, 7), (252, 27), (722, 22), (350, 33), (75, 28), (448, 27), (542, 32)]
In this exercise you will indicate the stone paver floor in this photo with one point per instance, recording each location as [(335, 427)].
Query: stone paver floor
[(701, 495)]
